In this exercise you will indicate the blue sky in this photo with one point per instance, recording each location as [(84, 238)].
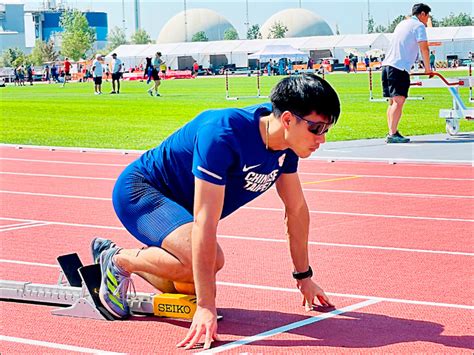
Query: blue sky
[(349, 15)]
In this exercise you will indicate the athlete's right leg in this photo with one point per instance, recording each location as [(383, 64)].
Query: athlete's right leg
[(163, 226), (168, 268)]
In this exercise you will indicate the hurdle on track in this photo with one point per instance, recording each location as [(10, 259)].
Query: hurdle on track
[(258, 96), (459, 110), (384, 99)]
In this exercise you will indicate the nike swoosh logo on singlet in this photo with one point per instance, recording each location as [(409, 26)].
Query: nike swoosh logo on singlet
[(247, 168)]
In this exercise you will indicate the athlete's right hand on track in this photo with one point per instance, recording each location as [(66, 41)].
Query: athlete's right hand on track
[(310, 290), (204, 323)]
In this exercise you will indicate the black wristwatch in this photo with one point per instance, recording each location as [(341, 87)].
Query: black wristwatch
[(303, 275)]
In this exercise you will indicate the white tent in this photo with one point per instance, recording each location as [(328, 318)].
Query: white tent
[(273, 51)]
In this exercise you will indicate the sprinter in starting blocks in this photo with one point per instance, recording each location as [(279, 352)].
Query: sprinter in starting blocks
[(459, 110), (77, 292)]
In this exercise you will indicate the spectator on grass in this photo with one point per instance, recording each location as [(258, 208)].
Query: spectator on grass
[(116, 73), (347, 64), (172, 198), (21, 75), (432, 61), (408, 38), (155, 74), (54, 73), (148, 70), (47, 76), (67, 70), (29, 72), (195, 69), (97, 72), (16, 77)]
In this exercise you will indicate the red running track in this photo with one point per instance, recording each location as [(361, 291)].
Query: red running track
[(391, 244)]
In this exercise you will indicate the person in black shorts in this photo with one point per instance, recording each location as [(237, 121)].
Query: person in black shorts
[(409, 38), (116, 67), (155, 74)]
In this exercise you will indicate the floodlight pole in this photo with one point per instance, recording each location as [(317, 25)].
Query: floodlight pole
[(185, 24), (123, 15), (247, 23)]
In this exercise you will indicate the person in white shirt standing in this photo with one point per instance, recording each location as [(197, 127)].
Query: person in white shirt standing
[(116, 73), (97, 72), (408, 38)]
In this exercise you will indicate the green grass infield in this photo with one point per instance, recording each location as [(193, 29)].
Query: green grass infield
[(72, 116)]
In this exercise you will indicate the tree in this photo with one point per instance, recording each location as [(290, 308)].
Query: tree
[(77, 37), (394, 23), (9, 56), (380, 29), (116, 37), (43, 52), (462, 19), (200, 37), (254, 32), (370, 25), (141, 37), (277, 30), (231, 34)]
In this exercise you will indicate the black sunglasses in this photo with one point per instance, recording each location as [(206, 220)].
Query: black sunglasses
[(317, 128)]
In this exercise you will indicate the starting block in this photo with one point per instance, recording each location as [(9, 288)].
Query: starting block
[(77, 292)]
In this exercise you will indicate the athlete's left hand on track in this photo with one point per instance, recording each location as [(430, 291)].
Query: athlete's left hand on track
[(310, 290), (204, 323)]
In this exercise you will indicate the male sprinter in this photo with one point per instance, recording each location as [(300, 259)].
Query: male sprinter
[(172, 197), (408, 38)]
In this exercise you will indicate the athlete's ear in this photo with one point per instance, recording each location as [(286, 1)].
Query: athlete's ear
[(286, 118)]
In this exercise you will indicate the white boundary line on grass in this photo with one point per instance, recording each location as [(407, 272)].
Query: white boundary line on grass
[(272, 240), (288, 327), (259, 208), (48, 344)]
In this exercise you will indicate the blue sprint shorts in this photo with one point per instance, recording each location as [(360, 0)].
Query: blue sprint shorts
[(144, 211)]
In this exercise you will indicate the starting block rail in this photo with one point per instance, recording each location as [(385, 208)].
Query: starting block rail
[(459, 110), (81, 299)]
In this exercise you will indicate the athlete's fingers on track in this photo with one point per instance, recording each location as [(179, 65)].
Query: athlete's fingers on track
[(187, 338)]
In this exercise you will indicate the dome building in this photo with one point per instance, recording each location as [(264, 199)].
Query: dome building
[(300, 23), (197, 20)]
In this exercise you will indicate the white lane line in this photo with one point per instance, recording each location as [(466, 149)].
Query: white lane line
[(293, 290), (389, 176), (6, 261), (258, 208), (391, 160), (273, 240), (348, 295), (67, 224), (299, 173), (421, 195), (30, 225), (58, 176), (405, 194), (288, 327), (367, 214), (48, 344), (55, 195), (428, 251), (62, 162), (16, 225)]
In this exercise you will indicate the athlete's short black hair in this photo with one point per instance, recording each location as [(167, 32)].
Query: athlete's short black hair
[(419, 8), (305, 94)]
